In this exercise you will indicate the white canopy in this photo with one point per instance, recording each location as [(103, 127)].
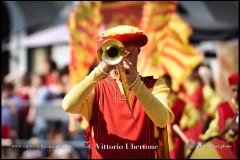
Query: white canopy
[(55, 35)]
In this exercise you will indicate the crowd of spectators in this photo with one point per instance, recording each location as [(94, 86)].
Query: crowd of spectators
[(22, 97)]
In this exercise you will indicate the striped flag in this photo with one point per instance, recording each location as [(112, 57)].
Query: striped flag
[(168, 49), (83, 24)]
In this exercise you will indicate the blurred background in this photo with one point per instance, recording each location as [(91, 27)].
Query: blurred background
[(47, 47)]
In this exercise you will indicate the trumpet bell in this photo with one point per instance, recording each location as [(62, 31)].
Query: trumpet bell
[(111, 52)]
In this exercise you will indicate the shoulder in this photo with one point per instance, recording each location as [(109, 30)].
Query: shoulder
[(223, 105), (105, 83)]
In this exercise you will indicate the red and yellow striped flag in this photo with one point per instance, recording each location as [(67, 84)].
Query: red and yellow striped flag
[(168, 49), (83, 24)]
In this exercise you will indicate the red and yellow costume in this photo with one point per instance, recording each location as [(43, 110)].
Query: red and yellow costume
[(205, 101), (225, 110), (185, 117), (114, 132)]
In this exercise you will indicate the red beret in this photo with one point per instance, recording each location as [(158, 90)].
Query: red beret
[(128, 35), (233, 79)]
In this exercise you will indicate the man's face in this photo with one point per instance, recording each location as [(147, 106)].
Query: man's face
[(234, 89)]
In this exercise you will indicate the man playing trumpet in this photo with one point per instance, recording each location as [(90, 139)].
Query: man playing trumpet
[(119, 129)]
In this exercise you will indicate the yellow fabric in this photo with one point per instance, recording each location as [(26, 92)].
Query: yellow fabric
[(206, 152), (211, 100), (171, 53), (212, 130), (229, 138), (190, 114), (156, 105), (191, 86), (234, 105), (171, 143), (120, 30), (84, 124), (190, 117), (80, 97), (83, 24)]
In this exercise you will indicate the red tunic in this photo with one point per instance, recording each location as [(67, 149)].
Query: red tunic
[(225, 111), (116, 133), (177, 108), (197, 97), (197, 100), (178, 151)]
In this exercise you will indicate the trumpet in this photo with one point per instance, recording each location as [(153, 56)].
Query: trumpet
[(111, 52)]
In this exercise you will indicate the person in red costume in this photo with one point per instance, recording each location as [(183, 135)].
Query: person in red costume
[(117, 131), (200, 95), (225, 122)]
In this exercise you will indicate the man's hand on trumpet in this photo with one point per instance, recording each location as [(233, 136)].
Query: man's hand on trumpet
[(130, 70), (130, 63)]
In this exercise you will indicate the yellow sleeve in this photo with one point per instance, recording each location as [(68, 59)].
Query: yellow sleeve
[(155, 104), (212, 130), (211, 100), (79, 99), (189, 117)]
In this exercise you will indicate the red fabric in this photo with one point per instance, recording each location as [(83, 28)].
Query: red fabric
[(6, 132), (23, 112), (178, 151), (233, 79), (194, 132), (177, 108), (113, 124), (225, 152), (181, 89), (80, 118), (225, 111), (136, 39), (197, 97)]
